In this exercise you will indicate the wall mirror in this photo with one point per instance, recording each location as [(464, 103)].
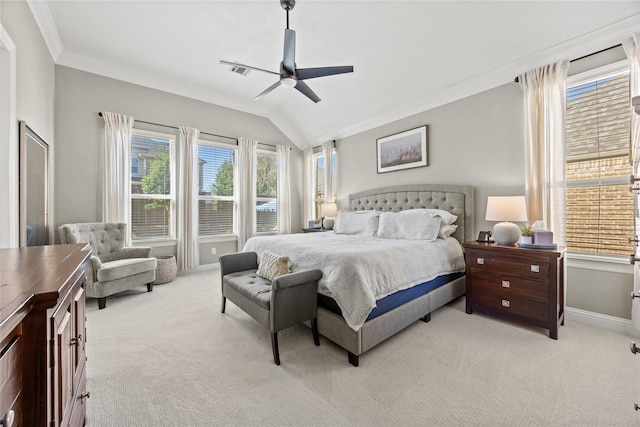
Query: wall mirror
[(34, 188)]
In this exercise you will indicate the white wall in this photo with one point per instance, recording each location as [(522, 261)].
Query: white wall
[(34, 93), (477, 140), (80, 96)]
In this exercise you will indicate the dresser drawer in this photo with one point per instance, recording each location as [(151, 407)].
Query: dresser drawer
[(10, 379), (517, 306), (512, 287), (534, 268)]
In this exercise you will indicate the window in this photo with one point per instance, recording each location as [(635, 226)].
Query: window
[(318, 173), (216, 189), (266, 192), (152, 185), (599, 204)]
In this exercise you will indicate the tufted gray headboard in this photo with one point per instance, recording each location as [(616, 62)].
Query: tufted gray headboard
[(457, 199)]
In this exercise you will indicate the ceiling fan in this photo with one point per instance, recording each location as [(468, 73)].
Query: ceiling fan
[(290, 76)]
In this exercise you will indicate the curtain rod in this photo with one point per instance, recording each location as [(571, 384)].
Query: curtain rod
[(517, 79), (204, 133)]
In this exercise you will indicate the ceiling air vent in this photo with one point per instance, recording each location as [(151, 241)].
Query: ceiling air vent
[(239, 69)]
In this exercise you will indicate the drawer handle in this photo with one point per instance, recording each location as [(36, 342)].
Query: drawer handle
[(505, 303), (480, 261), (535, 268), (506, 284), (8, 419)]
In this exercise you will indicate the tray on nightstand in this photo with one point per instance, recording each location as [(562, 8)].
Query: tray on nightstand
[(534, 246)]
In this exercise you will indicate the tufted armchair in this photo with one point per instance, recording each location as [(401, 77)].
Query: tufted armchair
[(113, 268)]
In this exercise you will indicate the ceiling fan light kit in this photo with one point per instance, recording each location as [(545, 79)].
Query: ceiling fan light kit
[(289, 82), (290, 75)]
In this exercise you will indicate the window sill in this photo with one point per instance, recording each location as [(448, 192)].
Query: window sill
[(612, 264), (154, 243), (218, 238)]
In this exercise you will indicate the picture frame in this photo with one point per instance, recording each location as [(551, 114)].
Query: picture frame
[(33, 197), (484, 236), (404, 150)]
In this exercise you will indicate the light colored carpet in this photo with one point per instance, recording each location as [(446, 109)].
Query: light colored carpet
[(171, 358)]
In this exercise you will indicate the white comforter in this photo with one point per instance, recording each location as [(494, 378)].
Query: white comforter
[(358, 270)]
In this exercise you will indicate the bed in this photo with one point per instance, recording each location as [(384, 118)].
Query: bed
[(366, 317)]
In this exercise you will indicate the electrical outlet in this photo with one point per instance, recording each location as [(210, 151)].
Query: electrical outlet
[(213, 251)]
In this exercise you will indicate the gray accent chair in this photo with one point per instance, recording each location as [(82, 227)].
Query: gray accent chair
[(286, 301), (113, 267)]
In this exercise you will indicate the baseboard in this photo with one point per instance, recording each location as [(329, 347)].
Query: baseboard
[(601, 320)]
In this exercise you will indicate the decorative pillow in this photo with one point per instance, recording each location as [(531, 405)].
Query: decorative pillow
[(446, 230), (447, 217), (272, 265), (357, 222), (414, 224)]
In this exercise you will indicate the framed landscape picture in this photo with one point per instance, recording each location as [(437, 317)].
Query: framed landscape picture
[(403, 150)]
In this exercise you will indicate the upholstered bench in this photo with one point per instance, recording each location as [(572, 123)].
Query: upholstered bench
[(285, 301)]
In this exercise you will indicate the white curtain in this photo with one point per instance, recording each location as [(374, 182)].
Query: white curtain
[(247, 190), (117, 170), (632, 50), (545, 91), (308, 192), (327, 150), (284, 190), (187, 215)]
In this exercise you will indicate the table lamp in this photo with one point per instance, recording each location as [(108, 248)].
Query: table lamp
[(506, 209), (327, 212)]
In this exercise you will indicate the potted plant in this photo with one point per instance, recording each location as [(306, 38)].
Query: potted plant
[(527, 235)]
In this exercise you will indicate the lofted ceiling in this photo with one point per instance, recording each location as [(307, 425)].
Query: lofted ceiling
[(408, 56)]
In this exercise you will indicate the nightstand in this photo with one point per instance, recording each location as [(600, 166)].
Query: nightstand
[(525, 285)]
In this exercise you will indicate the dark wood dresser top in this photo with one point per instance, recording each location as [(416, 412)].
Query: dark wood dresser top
[(35, 274)]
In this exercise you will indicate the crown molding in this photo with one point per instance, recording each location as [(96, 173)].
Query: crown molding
[(42, 15)]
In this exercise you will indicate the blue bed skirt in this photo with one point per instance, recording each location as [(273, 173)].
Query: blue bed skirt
[(396, 299)]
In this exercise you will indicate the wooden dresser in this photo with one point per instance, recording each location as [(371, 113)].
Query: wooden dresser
[(526, 285), (42, 335)]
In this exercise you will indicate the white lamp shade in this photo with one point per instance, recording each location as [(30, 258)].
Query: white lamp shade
[(328, 209), (506, 208)]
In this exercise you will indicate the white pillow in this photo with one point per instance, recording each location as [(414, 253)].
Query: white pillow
[(447, 217), (410, 225), (446, 230), (357, 222)]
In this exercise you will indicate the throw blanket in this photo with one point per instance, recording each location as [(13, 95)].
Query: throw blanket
[(358, 270)]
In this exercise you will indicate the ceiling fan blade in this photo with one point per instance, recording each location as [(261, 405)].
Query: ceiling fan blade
[(289, 55), (306, 91), (267, 90), (237, 64), (312, 73)]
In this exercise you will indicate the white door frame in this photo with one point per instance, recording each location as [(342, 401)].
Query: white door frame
[(9, 215)]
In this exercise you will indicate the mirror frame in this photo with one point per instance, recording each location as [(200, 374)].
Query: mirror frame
[(29, 140)]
